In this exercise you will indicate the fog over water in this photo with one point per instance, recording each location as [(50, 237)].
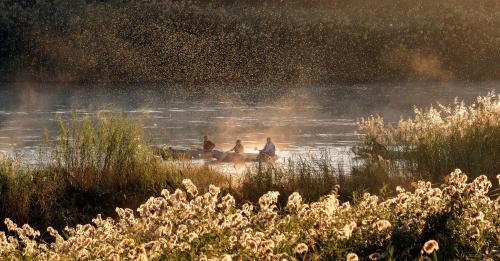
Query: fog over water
[(300, 120)]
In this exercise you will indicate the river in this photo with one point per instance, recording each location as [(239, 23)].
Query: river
[(300, 120)]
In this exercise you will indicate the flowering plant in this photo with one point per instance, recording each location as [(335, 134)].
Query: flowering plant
[(189, 225)]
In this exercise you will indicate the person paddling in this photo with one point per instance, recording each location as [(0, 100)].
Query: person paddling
[(207, 144), (269, 149), (238, 148)]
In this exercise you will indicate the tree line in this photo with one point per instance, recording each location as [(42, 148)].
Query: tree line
[(248, 42)]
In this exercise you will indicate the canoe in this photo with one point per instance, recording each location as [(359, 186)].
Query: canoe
[(167, 153), (220, 156)]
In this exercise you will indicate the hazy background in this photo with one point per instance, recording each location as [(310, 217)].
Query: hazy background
[(251, 42)]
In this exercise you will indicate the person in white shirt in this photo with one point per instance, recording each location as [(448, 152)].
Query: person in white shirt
[(269, 149)]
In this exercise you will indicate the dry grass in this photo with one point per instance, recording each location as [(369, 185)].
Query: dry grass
[(311, 176), (314, 176), (436, 140)]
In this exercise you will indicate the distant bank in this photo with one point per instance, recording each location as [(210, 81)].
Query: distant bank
[(262, 42)]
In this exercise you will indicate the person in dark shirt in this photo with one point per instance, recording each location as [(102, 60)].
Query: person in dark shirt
[(238, 148), (207, 144)]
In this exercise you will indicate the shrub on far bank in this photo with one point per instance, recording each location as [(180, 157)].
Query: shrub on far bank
[(249, 43)]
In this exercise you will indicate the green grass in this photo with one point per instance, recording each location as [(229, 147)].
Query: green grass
[(95, 164)]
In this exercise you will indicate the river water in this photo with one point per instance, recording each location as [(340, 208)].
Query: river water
[(300, 120)]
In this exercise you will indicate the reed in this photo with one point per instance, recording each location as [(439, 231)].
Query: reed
[(438, 139), (310, 175), (15, 189), (95, 164), (106, 150), (314, 176)]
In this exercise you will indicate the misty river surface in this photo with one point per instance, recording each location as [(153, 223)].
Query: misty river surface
[(300, 120)]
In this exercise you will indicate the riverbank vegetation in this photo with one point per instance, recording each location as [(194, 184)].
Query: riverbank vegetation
[(222, 42), (425, 146), (310, 207), (314, 176), (95, 164), (455, 221), (438, 139)]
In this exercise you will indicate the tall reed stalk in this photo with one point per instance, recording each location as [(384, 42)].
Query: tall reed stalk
[(109, 149)]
